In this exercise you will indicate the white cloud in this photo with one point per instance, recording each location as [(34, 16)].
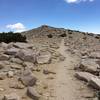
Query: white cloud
[(77, 1), (18, 27)]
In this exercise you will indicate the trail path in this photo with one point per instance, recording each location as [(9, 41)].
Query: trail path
[(65, 85)]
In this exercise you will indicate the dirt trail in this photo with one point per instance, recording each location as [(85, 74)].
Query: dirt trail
[(65, 85)]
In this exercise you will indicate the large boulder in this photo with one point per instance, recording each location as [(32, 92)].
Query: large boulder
[(28, 78), (89, 65), (12, 51), (27, 55), (44, 57), (32, 93), (22, 45), (85, 76), (12, 96)]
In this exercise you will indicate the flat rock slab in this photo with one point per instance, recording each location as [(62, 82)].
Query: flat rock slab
[(11, 96), (22, 45), (95, 55), (12, 51), (89, 65), (32, 93), (85, 76), (27, 55), (95, 83), (3, 57), (27, 78), (44, 58)]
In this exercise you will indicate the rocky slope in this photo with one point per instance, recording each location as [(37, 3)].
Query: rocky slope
[(49, 65)]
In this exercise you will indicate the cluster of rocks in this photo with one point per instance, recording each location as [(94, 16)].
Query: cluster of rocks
[(89, 69), (18, 61)]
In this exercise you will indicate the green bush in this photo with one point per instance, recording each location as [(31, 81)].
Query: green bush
[(12, 37)]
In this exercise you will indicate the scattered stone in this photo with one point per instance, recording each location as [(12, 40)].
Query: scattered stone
[(89, 66), (95, 83), (16, 85), (22, 45), (44, 58), (2, 89), (2, 65), (28, 65), (96, 98), (61, 58), (10, 74), (15, 66), (95, 55), (3, 57), (4, 45), (12, 96), (27, 55), (32, 93), (12, 51), (27, 78), (16, 60), (3, 75), (85, 76), (48, 72)]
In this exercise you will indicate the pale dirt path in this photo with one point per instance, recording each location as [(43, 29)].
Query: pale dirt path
[(65, 85)]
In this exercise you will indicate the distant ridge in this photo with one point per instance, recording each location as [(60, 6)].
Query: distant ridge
[(45, 30)]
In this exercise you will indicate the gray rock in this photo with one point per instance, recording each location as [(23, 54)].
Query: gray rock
[(3, 57), (95, 55), (10, 74), (29, 65), (44, 58), (22, 45), (15, 66), (16, 85), (3, 75), (12, 51), (28, 78), (48, 72), (12, 96), (4, 45), (16, 60), (32, 93), (89, 65), (27, 55), (85, 76), (2, 65), (95, 83)]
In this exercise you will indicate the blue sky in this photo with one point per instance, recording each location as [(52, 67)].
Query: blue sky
[(20, 15)]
